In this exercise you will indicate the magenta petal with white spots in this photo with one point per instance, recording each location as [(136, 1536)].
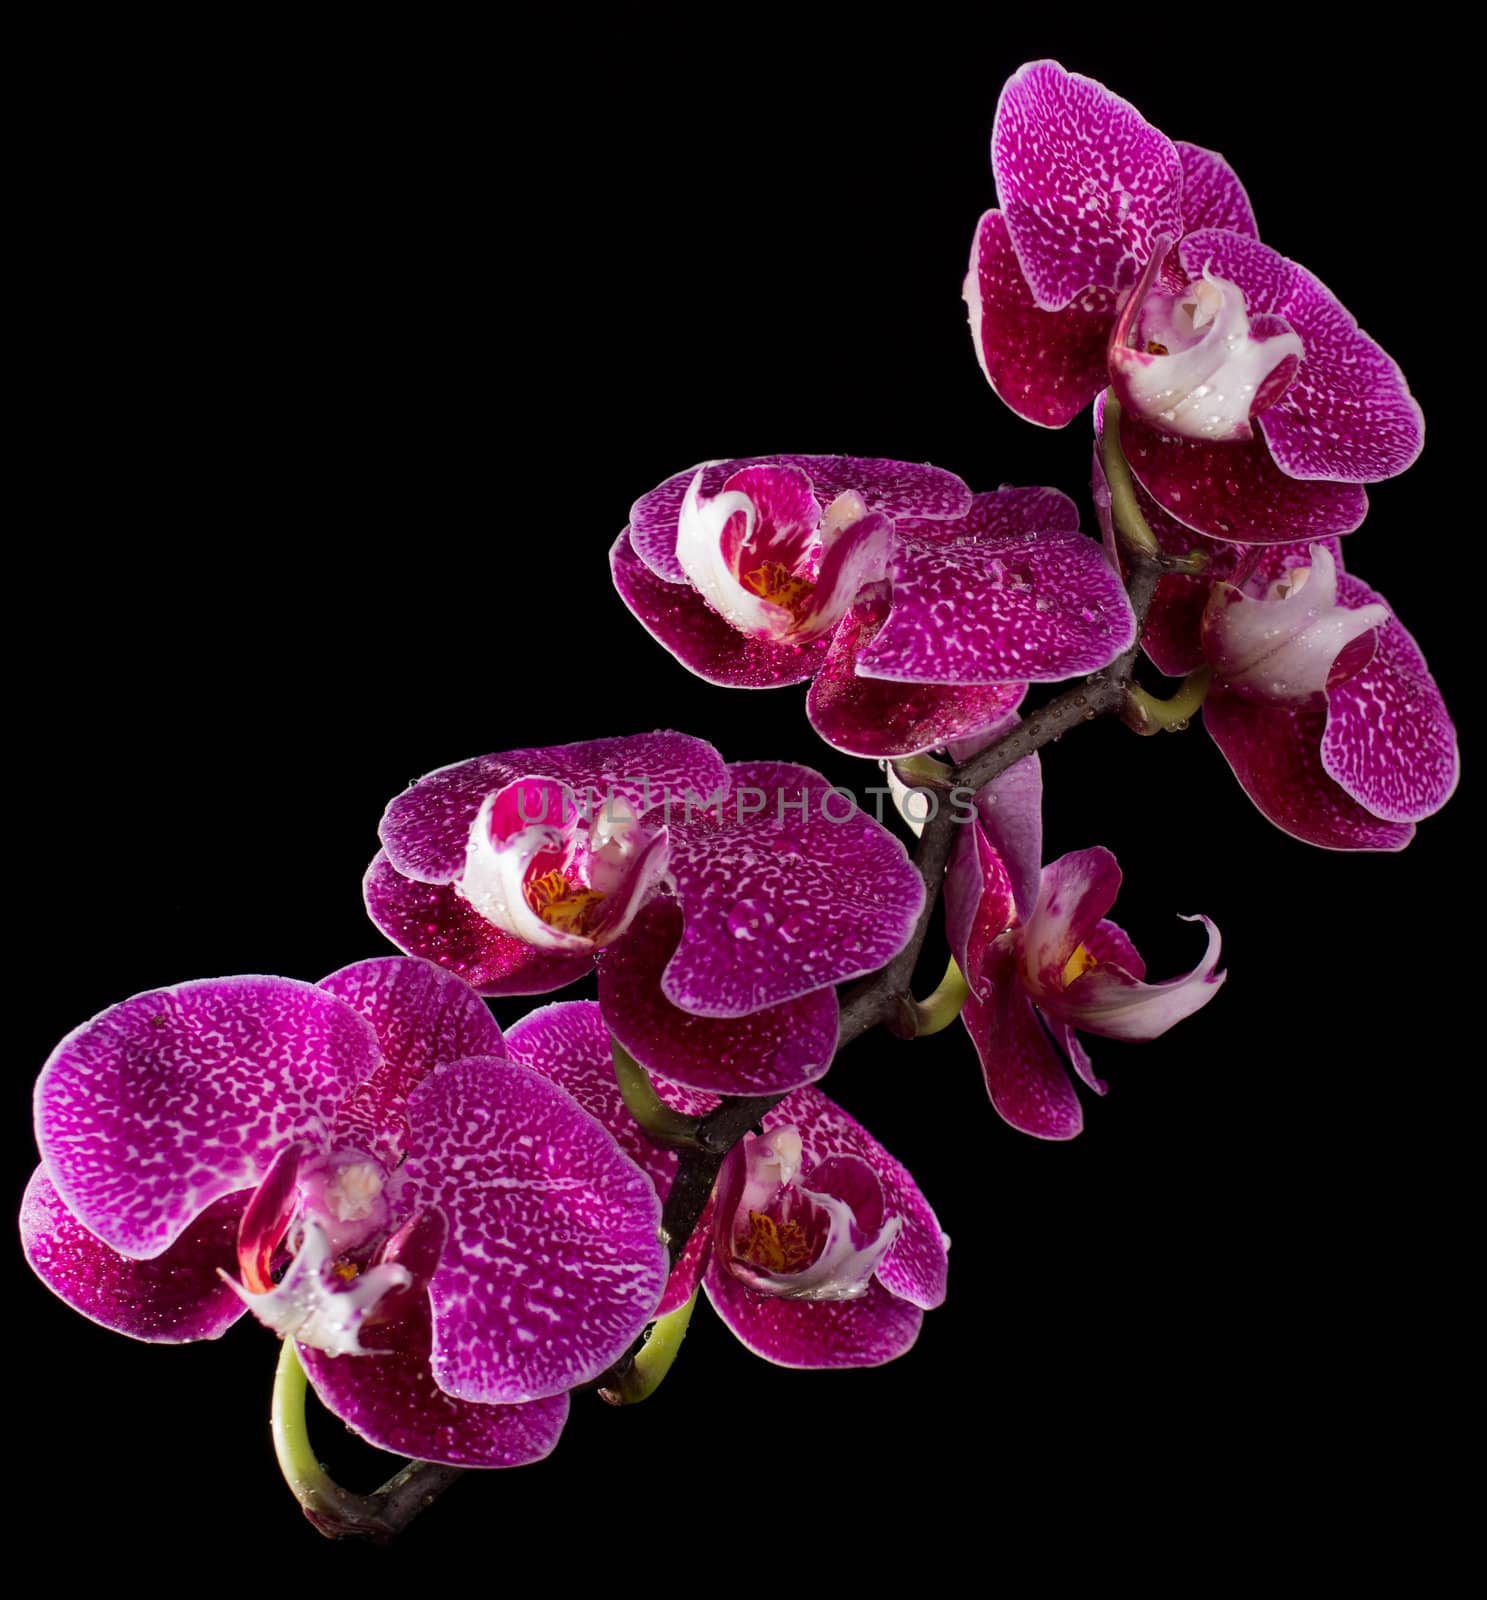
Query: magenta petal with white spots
[(1011, 592), (1011, 812), (168, 1101), (766, 1052), (1046, 365), (422, 1015), (916, 1264), (1348, 415), (172, 1297), (390, 1399), (1212, 195), (431, 920), (1025, 1077), (865, 1332), (568, 1044), (1275, 752), (868, 716), (425, 830), (1389, 740), (1086, 183), (1236, 491), (706, 643), (805, 892), (1114, 1003), (553, 1266), (898, 488)]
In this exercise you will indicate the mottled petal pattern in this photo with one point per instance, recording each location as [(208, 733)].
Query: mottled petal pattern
[(432, 921), (766, 1052), (817, 893), (174, 1297), (1086, 183), (170, 1100), (392, 1401), (1212, 195), (553, 1266)]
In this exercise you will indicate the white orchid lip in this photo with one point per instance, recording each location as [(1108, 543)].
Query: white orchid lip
[(1194, 363), (1283, 645)]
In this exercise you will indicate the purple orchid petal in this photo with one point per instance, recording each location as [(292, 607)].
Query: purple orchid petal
[(1389, 740), (568, 1044), (979, 904), (422, 1015), (1001, 595), (1282, 645), (915, 1267), (169, 1299), (1069, 1043), (817, 893), (867, 716), (897, 488), (1348, 416), (392, 1401), (1011, 812), (1107, 941), (1078, 889), (426, 829), (432, 921), (1275, 752), (865, 1332), (1025, 1078), (1108, 1001), (766, 1052), (168, 1101), (512, 1160), (1236, 491), (1212, 195), (1046, 365), (1086, 183)]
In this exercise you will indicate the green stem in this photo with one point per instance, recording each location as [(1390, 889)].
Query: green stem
[(334, 1511), (645, 1105), (915, 770), (938, 1010), (1125, 509), (642, 1375), (1146, 713)]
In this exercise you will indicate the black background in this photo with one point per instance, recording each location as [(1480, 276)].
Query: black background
[(355, 351)]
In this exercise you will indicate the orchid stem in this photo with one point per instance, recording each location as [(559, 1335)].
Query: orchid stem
[(938, 1010), (334, 1511), (650, 1364), (645, 1105), (1146, 713), (1125, 509)]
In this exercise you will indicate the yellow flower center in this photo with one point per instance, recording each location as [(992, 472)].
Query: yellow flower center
[(568, 907), (1077, 965), (775, 1247), (776, 583)]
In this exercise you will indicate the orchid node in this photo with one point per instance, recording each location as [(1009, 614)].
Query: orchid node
[(646, 1371), (939, 1009), (645, 1105), (1146, 713), (923, 771)]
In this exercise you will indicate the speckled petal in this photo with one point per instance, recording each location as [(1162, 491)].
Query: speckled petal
[(810, 899), (765, 1052), (553, 1266), (1011, 812), (392, 1401), (899, 488), (1389, 740), (1078, 889), (1348, 415), (1024, 1076), (1085, 182), (995, 598), (422, 1015), (875, 717), (978, 903), (1275, 752), (1117, 1005), (168, 1101), (1235, 491), (1046, 365), (915, 1266), (568, 1044), (169, 1299), (866, 1332), (678, 618), (426, 828), (1212, 195), (432, 921)]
